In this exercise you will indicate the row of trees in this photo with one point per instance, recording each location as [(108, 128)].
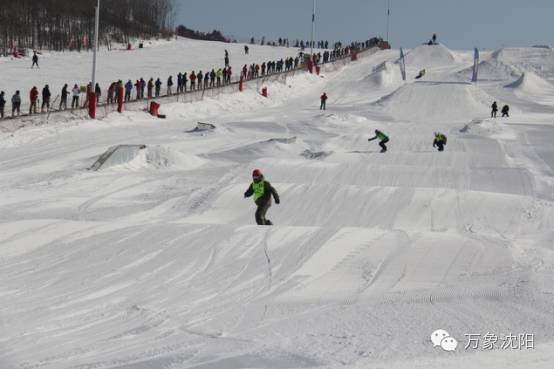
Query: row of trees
[(69, 24), (215, 35)]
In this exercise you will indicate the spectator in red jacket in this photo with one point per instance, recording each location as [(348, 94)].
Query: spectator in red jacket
[(34, 97), (192, 78)]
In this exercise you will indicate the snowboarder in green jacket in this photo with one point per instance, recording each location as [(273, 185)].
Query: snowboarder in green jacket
[(383, 139), (440, 141), (262, 191)]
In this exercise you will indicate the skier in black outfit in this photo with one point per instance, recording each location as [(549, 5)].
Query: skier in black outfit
[(35, 60), (494, 109), (262, 191), (505, 110)]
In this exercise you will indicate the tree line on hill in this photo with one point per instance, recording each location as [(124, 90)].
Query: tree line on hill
[(69, 24), (215, 35)]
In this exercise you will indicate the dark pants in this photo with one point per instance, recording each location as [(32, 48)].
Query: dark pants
[(15, 108), (260, 214), (505, 114), (382, 144), (493, 114), (322, 106), (440, 145)]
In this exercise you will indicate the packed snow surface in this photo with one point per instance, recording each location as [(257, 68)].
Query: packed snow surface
[(154, 260)]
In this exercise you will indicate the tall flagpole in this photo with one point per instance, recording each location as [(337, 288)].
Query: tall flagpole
[(96, 26), (313, 28), (388, 17)]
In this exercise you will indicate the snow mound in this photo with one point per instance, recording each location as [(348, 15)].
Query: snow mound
[(272, 147), (529, 82), (490, 70), (430, 56), (135, 157), (537, 60), (435, 101), (385, 74)]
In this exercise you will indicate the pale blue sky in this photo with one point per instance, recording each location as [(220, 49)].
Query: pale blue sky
[(459, 24)]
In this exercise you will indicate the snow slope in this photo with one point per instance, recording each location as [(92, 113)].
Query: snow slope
[(155, 261)]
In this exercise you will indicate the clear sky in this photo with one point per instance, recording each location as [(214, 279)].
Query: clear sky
[(461, 24)]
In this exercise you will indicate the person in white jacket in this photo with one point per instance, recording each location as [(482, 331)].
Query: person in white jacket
[(75, 93)]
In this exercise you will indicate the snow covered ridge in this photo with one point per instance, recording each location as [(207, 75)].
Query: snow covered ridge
[(155, 261)]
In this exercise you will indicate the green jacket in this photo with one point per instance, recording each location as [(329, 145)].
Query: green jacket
[(380, 135), (262, 192), (440, 138)]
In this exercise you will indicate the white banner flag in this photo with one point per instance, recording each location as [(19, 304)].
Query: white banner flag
[(475, 65)]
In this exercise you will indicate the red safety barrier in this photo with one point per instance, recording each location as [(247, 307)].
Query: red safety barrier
[(92, 105), (241, 83), (264, 92), (154, 107), (310, 66), (354, 56), (317, 69), (120, 99)]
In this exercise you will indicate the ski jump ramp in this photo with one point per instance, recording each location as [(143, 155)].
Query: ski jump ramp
[(115, 155)]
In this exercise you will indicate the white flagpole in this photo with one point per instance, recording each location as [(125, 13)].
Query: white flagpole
[(313, 28)]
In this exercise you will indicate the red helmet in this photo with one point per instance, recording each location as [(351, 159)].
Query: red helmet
[(257, 173)]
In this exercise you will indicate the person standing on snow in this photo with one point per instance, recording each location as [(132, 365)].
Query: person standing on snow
[(440, 141), (218, 75), (494, 109), (505, 110), (383, 139), (262, 191), (212, 78), (323, 99), (35, 60), (63, 100), (16, 103), (200, 78), (185, 80), (76, 92), (169, 85), (129, 88), (45, 99), (2, 104), (98, 92), (192, 81), (33, 95), (149, 87), (158, 85)]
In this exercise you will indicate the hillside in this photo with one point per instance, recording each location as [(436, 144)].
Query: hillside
[(155, 261)]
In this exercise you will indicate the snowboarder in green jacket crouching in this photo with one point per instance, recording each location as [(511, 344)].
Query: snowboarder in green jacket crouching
[(440, 141), (383, 139), (262, 191)]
